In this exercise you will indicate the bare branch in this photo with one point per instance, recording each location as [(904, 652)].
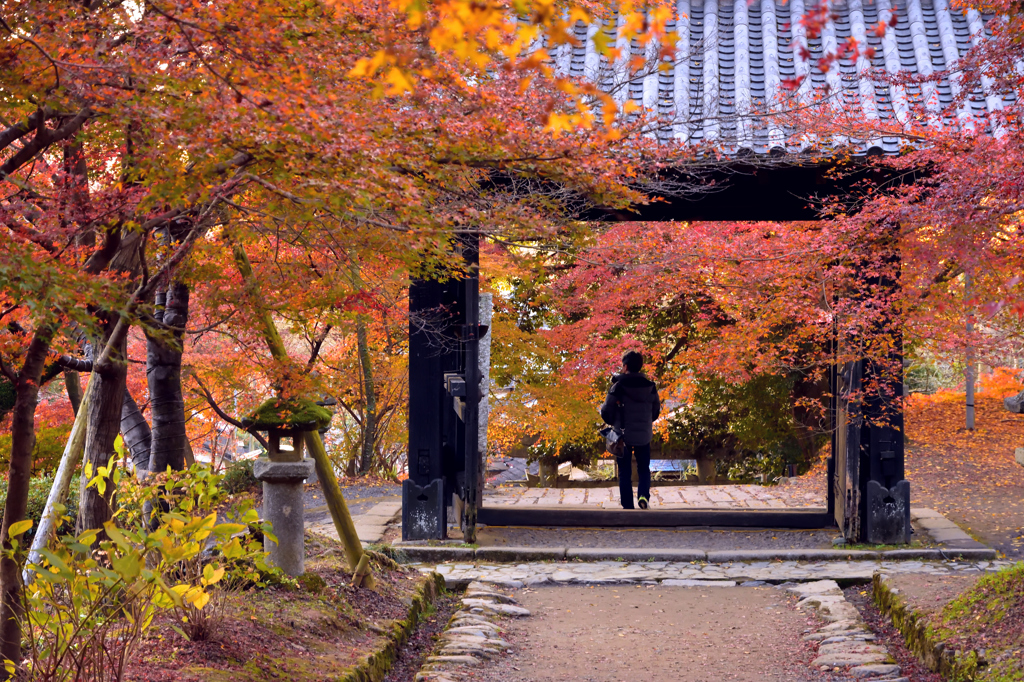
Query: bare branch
[(44, 138), (73, 363), (223, 415), (318, 343), (20, 130)]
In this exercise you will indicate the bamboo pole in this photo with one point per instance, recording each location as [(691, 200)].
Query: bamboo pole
[(69, 460), (336, 503)]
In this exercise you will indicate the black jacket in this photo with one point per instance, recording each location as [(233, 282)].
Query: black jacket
[(633, 398)]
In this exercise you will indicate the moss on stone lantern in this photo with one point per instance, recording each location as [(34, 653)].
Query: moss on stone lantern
[(293, 414), (282, 473), (288, 418)]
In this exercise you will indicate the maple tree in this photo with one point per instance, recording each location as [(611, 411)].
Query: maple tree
[(344, 146), (138, 135)]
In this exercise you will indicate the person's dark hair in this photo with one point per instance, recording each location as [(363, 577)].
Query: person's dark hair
[(633, 361)]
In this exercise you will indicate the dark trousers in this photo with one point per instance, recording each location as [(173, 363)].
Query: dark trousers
[(643, 470)]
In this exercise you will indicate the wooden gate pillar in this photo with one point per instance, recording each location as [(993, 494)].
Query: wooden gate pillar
[(444, 395), (868, 494), (424, 503)]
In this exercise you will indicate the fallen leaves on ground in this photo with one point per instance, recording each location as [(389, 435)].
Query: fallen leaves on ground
[(970, 476)]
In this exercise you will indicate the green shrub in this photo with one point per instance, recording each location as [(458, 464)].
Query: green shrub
[(85, 610), (47, 451), (748, 428), (38, 489), (238, 478), (580, 452)]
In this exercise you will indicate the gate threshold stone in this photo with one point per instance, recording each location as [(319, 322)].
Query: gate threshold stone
[(589, 517), (429, 554), (657, 572)]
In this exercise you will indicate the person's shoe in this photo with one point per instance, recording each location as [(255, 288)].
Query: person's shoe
[(642, 502)]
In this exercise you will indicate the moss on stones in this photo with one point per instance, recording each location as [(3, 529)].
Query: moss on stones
[(922, 638), (376, 665), (312, 583), (296, 413)]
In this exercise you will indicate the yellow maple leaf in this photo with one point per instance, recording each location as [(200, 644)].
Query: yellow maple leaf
[(398, 83)]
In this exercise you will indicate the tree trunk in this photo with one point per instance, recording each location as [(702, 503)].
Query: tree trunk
[(706, 470), (94, 508), (548, 471), (370, 393), (136, 433), (970, 366), (163, 370), (809, 422), (73, 385), (23, 436)]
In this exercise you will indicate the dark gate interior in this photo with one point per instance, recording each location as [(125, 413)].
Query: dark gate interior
[(868, 498)]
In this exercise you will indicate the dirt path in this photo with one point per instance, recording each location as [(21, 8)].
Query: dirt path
[(360, 497), (656, 634)]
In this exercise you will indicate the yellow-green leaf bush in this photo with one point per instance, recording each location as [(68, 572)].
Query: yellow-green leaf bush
[(173, 548)]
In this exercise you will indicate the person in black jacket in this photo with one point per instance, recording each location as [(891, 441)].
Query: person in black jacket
[(633, 405)]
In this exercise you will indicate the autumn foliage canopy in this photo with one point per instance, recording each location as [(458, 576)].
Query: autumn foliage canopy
[(340, 146)]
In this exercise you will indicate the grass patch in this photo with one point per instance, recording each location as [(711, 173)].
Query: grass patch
[(987, 623)]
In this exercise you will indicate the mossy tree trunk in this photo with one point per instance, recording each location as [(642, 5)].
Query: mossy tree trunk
[(325, 472), (369, 431), (547, 469), (706, 467)]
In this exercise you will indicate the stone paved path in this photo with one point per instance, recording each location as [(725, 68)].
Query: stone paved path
[(373, 506), (664, 497), (669, 572)]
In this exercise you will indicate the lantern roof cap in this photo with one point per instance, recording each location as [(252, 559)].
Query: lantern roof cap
[(293, 414)]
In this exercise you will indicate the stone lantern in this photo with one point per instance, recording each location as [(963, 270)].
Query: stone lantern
[(283, 471)]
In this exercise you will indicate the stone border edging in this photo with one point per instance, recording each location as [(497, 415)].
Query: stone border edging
[(430, 554), (375, 666), (844, 641), (912, 625), (942, 530), (472, 636)]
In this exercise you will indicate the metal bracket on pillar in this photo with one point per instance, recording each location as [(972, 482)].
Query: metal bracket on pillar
[(424, 511), (455, 384), (888, 514)]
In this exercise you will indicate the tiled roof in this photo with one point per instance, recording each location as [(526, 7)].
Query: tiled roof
[(725, 85)]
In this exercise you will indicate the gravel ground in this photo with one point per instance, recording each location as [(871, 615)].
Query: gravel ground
[(656, 634), (658, 538)]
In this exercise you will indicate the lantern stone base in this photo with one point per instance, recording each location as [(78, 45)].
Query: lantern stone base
[(283, 508)]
